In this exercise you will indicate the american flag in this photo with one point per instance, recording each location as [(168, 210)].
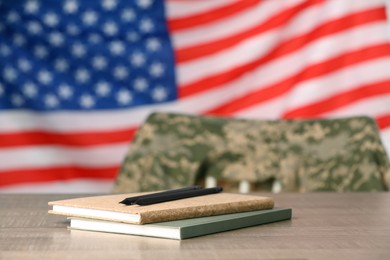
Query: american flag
[(78, 77)]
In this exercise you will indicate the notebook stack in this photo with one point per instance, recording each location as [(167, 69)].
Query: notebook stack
[(175, 219)]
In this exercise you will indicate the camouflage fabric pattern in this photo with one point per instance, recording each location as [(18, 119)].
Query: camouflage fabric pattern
[(176, 150)]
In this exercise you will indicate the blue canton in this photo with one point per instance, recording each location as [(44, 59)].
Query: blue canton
[(84, 55)]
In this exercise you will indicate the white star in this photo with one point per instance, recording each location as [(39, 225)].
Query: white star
[(153, 44), (156, 69), (13, 17), (82, 75), (159, 93), (90, 17), (146, 25), (31, 6), (34, 27), (78, 50), (9, 74), (103, 88), (50, 19), (56, 39), (73, 29), (144, 4), (94, 38), (109, 4), (110, 28), (87, 101), (99, 62), (17, 100), (19, 39), (65, 91), (30, 90), (71, 6), (40, 51), (137, 59), (120, 72), (61, 65), (128, 15), (51, 101), (124, 97), (140, 84), (117, 47), (45, 77), (132, 36), (5, 50), (24, 65)]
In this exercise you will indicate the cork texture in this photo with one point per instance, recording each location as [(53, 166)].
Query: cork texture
[(208, 205)]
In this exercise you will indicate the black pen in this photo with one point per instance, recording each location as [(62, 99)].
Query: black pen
[(132, 200), (176, 196)]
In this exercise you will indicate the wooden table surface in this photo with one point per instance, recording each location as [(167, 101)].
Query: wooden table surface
[(324, 226)]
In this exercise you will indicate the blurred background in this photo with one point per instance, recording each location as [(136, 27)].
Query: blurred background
[(77, 78)]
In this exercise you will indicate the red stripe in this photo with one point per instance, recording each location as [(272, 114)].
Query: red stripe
[(340, 100), (56, 174), (210, 16), (283, 49), (200, 50), (309, 72), (383, 121), (72, 139)]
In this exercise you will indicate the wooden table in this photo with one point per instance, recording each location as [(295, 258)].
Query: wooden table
[(324, 226)]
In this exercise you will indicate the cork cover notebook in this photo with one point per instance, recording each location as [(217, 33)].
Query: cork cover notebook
[(107, 207)]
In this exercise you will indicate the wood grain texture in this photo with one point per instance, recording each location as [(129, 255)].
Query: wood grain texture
[(324, 226)]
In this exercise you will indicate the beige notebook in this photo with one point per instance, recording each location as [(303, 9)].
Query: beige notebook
[(107, 207)]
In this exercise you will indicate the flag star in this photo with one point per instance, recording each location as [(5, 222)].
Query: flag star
[(82, 75), (40, 51), (137, 59), (34, 27), (50, 19), (56, 39), (13, 17), (103, 88), (51, 101), (9, 74), (78, 50), (109, 4), (117, 47), (159, 93), (24, 65), (65, 91), (144, 4), (146, 25), (94, 38), (19, 39), (156, 69), (128, 15), (45, 77), (31, 6), (17, 100), (61, 65), (73, 29), (30, 90), (99, 62), (110, 28), (90, 17), (5, 50), (132, 36), (87, 101), (71, 6), (124, 97), (153, 44), (140, 84), (120, 72)]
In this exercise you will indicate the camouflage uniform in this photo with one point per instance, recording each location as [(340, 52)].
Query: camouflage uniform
[(174, 150)]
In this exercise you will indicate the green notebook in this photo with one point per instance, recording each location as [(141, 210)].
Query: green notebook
[(187, 228)]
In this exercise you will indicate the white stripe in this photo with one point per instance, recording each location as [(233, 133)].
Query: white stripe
[(249, 51), (52, 156), (179, 9), (259, 14), (346, 79), (74, 186)]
